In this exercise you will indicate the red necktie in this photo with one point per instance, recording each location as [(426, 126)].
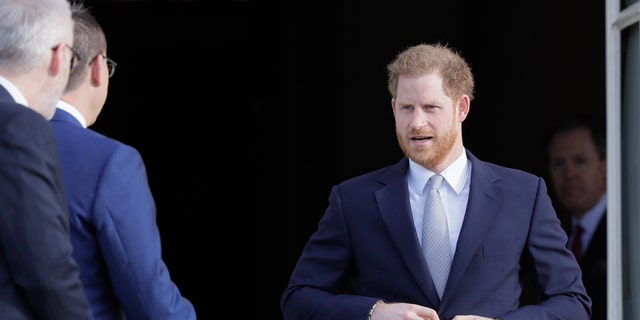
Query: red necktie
[(576, 246)]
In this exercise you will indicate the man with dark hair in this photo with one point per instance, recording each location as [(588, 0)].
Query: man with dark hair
[(578, 168), (113, 217)]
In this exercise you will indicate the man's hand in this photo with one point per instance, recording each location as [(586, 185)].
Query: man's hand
[(405, 311)]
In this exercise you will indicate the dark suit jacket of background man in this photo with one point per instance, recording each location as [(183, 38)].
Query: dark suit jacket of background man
[(594, 270), (37, 270)]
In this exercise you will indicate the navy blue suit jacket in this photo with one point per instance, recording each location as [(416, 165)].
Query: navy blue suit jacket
[(113, 227), (38, 277), (594, 270), (366, 241)]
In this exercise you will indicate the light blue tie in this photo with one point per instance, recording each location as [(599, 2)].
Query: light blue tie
[(435, 235)]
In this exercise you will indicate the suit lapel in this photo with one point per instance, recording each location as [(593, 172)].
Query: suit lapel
[(393, 201), (481, 208), (597, 250)]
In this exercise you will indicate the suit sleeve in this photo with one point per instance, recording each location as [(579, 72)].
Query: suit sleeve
[(315, 289), (34, 225), (130, 242), (557, 272)]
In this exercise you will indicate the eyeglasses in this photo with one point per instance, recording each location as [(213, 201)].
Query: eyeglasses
[(74, 57), (111, 65)]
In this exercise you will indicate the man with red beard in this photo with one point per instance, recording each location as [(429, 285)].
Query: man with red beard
[(578, 168), (371, 256)]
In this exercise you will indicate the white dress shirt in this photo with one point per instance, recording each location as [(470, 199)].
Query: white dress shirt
[(454, 192)]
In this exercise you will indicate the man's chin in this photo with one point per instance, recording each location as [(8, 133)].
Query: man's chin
[(423, 159)]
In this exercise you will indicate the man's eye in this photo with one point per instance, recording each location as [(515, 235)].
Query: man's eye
[(556, 165)]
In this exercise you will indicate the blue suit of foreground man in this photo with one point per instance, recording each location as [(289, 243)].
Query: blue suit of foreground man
[(113, 215), (366, 261)]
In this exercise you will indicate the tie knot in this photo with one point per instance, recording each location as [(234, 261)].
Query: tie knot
[(435, 181)]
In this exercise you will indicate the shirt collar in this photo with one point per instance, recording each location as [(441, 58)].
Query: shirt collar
[(72, 110), (591, 219), (454, 174), (15, 93)]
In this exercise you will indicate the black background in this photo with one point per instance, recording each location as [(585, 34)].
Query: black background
[(246, 112)]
